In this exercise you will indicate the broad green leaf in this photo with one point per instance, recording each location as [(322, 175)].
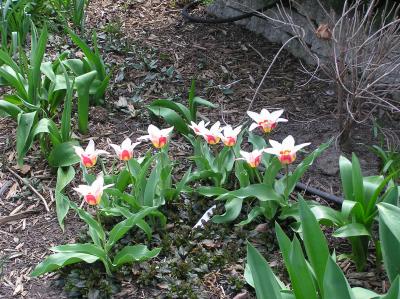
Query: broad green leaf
[(64, 177), (394, 291), (62, 259), (265, 282), (233, 206), (260, 191), (351, 230), (90, 221), (346, 178), (120, 229), (253, 214), (151, 186), (210, 191), (10, 108), (284, 245), (389, 234), (357, 178), (314, 242), (360, 293), (83, 83), (24, 136), (136, 253), (82, 248), (335, 283), (66, 115), (197, 101), (63, 155), (299, 272), (171, 117), (170, 104)]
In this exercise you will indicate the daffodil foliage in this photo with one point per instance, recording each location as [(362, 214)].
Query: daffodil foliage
[(314, 273), (359, 209)]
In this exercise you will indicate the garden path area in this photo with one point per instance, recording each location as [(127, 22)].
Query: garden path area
[(154, 54)]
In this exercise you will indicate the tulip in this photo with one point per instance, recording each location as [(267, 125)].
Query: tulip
[(92, 193), (89, 155), (198, 128), (158, 137), (125, 150), (229, 136), (286, 151), (266, 120), (212, 135), (253, 158)]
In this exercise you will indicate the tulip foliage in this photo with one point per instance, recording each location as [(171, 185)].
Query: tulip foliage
[(100, 249), (314, 274)]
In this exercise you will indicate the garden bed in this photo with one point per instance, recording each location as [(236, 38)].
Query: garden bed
[(155, 54)]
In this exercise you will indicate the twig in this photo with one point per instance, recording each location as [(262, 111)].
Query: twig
[(22, 215), (30, 187), (267, 72)]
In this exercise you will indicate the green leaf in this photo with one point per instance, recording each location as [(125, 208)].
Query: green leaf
[(266, 283), (233, 206), (136, 253), (210, 191), (314, 242), (66, 115), (394, 291), (120, 229), (260, 191), (62, 259), (25, 125), (91, 222), (357, 178), (346, 175), (335, 284), (360, 293), (83, 248), (83, 83), (253, 214), (171, 117), (10, 108), (351, 230), (299, 272), (170, 104), (151, 186), (63, 155), (389, 234), (64, 177)]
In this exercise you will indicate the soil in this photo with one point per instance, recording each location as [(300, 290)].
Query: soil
[(154, 54)]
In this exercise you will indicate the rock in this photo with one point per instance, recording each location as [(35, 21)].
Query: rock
[(328, 162)]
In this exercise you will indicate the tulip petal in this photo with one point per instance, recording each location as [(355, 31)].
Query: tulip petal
[(275, 144), (116, 148), (90, 147), (300, 146), (276, 114), (166, 132), (288, 143), (126, 144), (255, 116), (253, 126)]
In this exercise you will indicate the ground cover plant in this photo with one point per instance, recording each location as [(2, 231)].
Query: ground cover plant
[(151, 198)]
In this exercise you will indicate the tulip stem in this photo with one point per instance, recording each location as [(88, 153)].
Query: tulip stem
[(258, 175), (287, 177)]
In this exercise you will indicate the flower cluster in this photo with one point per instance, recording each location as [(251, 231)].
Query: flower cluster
[(266, 121), (88, 156)]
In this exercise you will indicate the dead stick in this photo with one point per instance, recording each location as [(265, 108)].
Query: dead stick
[(4, 220), (30, 187)]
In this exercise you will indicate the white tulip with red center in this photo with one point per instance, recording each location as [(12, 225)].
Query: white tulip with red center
[(265, 120), (158, 137), (89, 155), (198, 128), (92, 193), (229, 135), (253, 158), (212, 135), (286, 151), (125, 150)]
